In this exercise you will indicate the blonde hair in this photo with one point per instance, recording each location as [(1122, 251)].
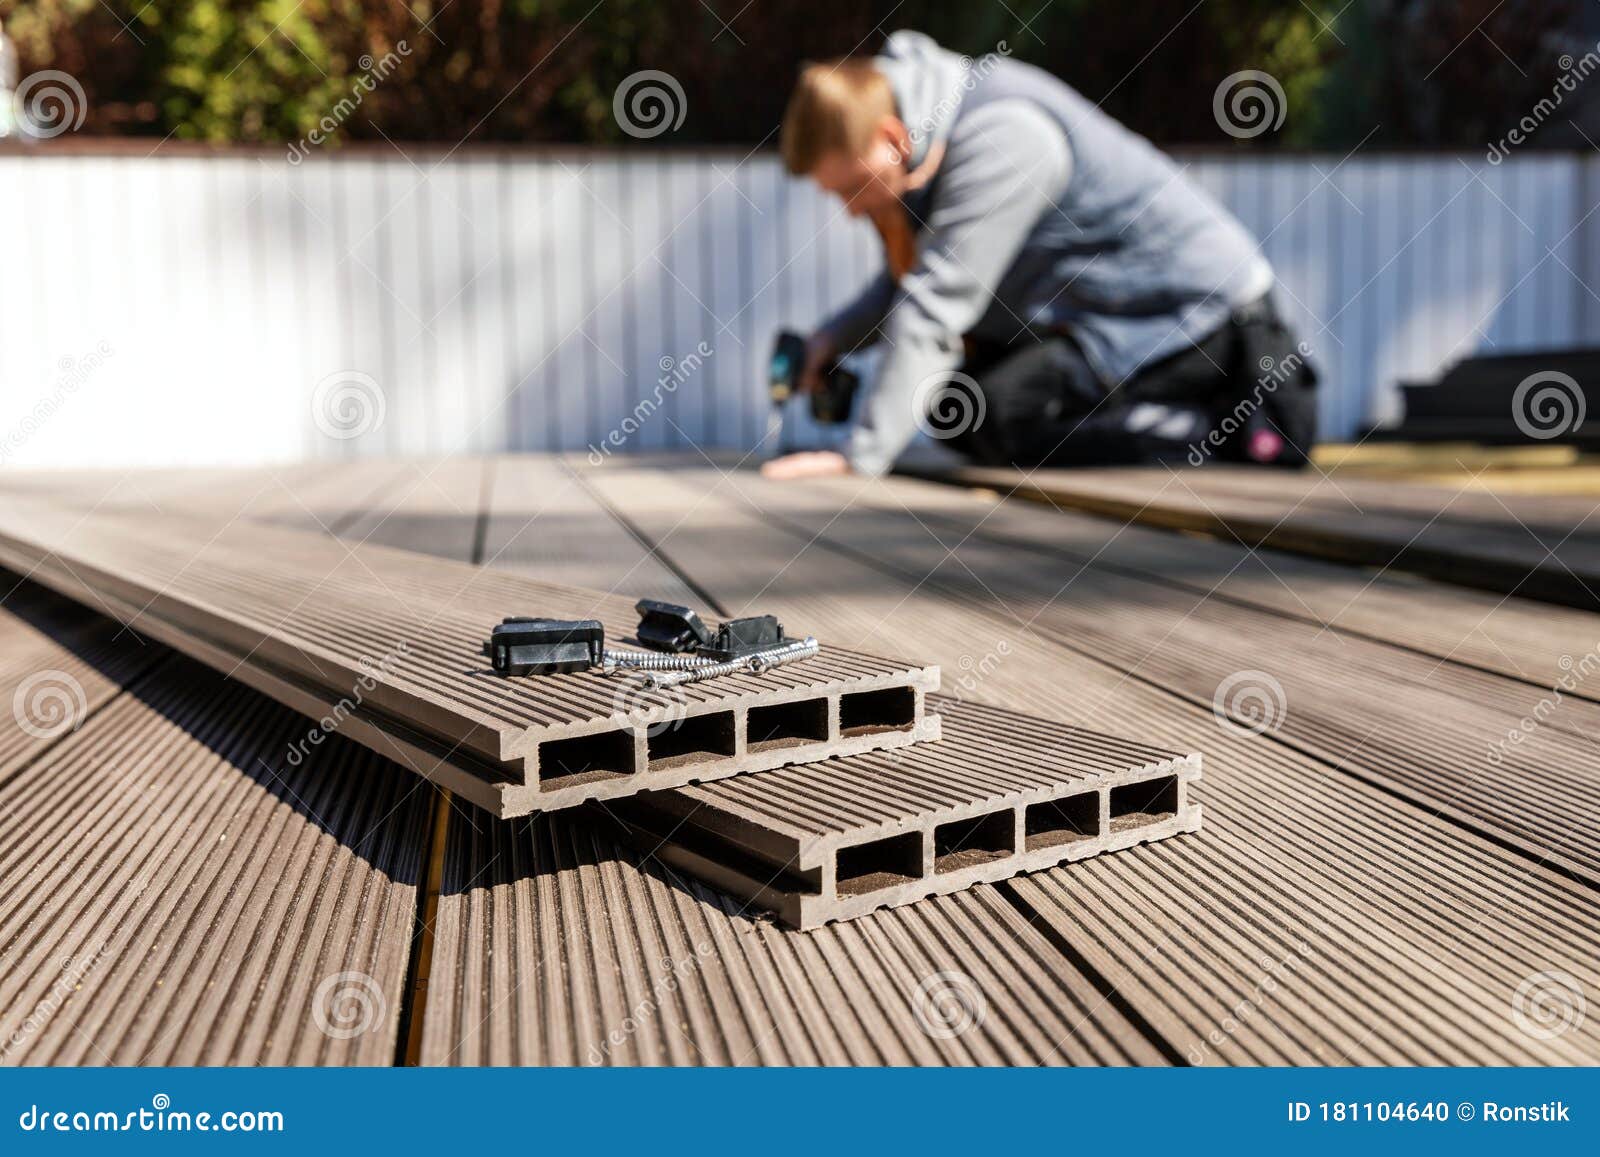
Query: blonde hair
[(835, 105)]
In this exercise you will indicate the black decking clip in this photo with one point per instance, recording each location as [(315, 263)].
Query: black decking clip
[(524, 646), (669, 627), (676, 638), (736, 638)]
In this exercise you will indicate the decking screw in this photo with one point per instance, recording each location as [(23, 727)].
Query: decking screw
[(611, 661), (756, 664)]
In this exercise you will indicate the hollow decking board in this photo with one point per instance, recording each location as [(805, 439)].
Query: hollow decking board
[(549, 933), (1434, 981), (209, 896), (1418, 934), (309, 619), (1000, 793), (1503, 560), (1435, 732), (555, 946)]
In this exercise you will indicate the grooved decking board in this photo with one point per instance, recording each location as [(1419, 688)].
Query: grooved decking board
[(1453, 739), (222, 972), (543, 522), (431, 506), (542, 526), (1548, 519), (313, 621), (219, 493), (1508, 557), (1508, 636), (1000, 793), (178, 893), (555, 946), (59, 663), (1418, 934), (549, 933)]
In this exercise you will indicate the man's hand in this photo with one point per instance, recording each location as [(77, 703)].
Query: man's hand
[(806, 464), (820, 353)]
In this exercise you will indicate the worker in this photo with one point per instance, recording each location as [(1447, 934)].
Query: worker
[(1056, 292)]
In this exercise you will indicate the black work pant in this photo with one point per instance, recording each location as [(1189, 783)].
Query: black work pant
[(1245, 393)]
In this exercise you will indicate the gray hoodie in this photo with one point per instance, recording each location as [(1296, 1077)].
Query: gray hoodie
[(1044, 216)]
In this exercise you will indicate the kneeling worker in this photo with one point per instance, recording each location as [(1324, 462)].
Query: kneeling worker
[(1057, 292)]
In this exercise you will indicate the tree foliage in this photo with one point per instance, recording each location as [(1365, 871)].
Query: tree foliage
[(546, 70)]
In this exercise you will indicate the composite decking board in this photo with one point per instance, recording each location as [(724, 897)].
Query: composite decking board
[(1514, 637), (987, 753), (208, 893), (432, 506), (1504, 560), (1000, 793), (59, 664), (322, 500), (1548, 519), (234, 898), (407, 628), (541, 521), (1432, 882), (220, 493), (1414, 919), (1437, 733), (531, 966), (557, 946)]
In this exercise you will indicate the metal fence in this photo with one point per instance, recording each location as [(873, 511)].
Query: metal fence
[(235, 308)]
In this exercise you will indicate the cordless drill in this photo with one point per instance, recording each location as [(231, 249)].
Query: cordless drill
[(831, 404)]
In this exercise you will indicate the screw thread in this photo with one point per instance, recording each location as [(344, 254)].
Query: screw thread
[(649, 661), (757, 664)]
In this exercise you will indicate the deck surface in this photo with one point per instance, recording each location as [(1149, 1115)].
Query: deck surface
[(1394, 868)]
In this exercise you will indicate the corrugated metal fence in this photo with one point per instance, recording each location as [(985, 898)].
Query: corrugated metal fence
[(187, 309)]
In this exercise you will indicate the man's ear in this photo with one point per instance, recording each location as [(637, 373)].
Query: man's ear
[(899, 137)]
